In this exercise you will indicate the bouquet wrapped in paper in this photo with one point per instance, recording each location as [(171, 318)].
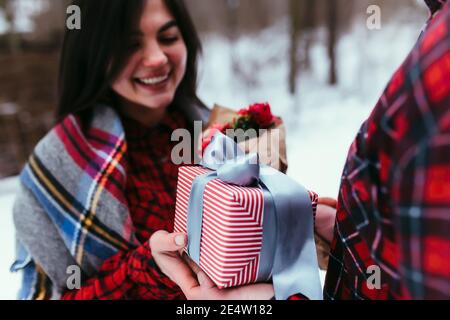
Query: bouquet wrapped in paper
[(246, 221), (270, 139)]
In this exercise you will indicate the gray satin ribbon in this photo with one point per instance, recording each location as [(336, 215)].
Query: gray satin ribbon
[(288, 253)]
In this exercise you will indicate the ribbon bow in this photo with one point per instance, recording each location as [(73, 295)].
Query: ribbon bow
[(231, 163), (288, 253)]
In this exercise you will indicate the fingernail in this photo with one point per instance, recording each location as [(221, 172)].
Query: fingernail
[(179, 240)]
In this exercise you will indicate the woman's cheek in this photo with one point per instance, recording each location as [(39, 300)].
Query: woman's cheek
[(130, 68), (181, 57)]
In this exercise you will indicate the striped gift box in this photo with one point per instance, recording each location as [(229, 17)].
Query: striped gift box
[(232, 230)]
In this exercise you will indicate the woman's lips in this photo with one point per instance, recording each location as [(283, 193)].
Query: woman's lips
[(153, 80), (153, 84)]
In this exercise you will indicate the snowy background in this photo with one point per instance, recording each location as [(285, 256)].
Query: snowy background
[(321, 120), (9, 282)]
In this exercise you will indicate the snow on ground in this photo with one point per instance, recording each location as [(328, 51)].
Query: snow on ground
[(321, 120), (9, 283)]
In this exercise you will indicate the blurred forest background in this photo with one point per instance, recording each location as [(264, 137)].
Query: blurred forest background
[(31, 33)]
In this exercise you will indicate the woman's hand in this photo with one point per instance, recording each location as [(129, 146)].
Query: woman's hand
[(326, 218), (207, 290), (167, 251)]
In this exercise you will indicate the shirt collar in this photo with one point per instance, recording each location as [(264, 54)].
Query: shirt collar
[(171, 121), (435, 5)]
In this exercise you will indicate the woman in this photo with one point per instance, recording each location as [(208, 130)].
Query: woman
[(101, 184), (120, 81)]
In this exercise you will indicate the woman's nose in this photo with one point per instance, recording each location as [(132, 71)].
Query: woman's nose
[(154, 56)]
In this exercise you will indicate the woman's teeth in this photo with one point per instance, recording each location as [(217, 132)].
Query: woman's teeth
[(153, 81)]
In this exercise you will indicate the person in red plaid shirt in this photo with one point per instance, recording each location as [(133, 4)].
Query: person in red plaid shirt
[(393, 214)]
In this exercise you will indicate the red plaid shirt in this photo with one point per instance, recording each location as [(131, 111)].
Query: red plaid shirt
[(394, 202)]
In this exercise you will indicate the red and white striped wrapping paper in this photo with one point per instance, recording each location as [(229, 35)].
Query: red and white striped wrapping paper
[(232, 230)]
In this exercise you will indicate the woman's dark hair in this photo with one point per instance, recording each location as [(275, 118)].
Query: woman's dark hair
[(93, 56)]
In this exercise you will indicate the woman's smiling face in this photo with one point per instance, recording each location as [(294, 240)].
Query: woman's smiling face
[(157, 62)]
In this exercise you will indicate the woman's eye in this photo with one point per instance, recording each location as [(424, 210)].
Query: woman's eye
[(168, 40)]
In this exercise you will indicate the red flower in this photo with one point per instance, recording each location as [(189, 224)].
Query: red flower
[(262, 114), (256, 116), (243, 112)]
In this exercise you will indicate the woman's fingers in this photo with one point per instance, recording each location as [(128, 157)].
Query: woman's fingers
[(325, 221), (328, 202), (204, 289), (162, 241), (260, 291), (182, 275), (165, 249), (204, 281), (195, 268), (209, 291)]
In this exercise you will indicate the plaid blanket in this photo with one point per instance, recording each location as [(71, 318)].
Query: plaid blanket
[(72, 211)]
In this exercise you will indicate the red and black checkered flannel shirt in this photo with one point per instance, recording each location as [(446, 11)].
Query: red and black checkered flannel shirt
[(394, 201)]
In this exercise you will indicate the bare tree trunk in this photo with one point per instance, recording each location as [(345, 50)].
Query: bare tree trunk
[(232, 19), (295, 24), (333, 24), (13, 35), (308, 25)]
